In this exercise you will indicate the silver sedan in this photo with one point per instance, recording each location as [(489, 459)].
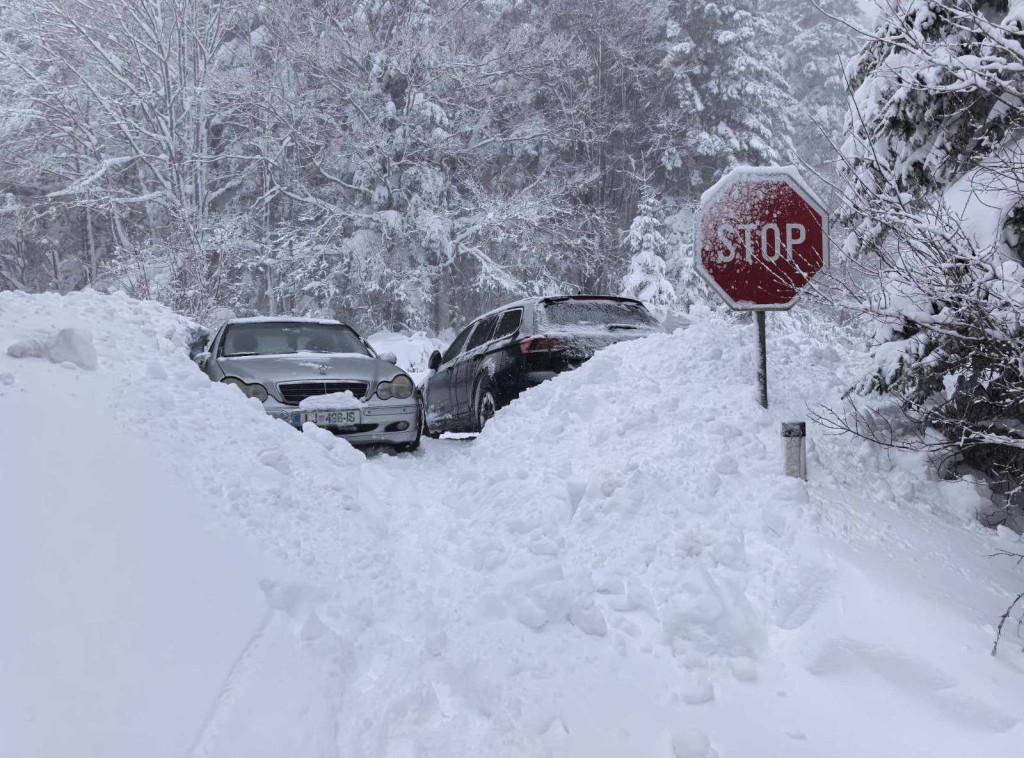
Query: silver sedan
[(319, 371)]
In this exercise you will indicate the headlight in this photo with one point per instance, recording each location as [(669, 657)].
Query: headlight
[(257, 391), (401, 387)]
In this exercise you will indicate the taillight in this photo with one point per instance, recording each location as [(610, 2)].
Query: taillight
[(541, 345)]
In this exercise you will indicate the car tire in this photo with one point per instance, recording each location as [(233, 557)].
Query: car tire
[(485, 407), (424, 427), (408, 447)]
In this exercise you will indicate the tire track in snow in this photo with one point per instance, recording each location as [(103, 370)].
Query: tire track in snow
[(242, 670)]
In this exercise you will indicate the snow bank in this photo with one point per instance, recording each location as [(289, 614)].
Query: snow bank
[(137, 621), (613, 568), (617, 567)]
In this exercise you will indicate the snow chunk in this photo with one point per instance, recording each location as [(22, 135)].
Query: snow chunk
[(711, 616), (589, 620), (66, 346), (27, 349), (276, 460), (691, 743), (331, 402), (72, 346), (698, 691)]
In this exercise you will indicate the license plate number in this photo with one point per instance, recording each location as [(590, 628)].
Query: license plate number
[(333, 418)]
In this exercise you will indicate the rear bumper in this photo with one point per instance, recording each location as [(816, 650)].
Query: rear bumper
[(381, 423)]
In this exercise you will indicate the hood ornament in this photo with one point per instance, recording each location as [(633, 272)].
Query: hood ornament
[(323, 368)]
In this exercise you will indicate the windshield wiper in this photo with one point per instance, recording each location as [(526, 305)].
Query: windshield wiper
[(622, 326)]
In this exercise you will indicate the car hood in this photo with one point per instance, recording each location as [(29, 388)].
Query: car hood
[(269, 370)]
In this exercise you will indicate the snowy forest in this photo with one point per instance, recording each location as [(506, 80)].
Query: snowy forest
[(395, 163)]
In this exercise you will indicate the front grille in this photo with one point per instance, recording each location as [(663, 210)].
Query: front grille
[(294, 393)]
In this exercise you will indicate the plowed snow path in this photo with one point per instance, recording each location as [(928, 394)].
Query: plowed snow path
[(613, 568)]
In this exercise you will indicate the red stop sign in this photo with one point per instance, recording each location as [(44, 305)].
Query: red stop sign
[(761, 236)]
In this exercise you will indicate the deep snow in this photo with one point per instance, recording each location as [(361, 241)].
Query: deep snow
[(614, 567)]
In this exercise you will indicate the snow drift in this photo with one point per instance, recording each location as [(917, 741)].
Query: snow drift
[(614, 567)]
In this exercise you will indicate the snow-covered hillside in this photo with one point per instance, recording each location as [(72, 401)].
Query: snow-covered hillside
[(613, 568)]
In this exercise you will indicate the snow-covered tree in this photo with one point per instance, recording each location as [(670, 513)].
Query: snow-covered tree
[(645, 280), (935, 167), (815, 40), (726, 75)]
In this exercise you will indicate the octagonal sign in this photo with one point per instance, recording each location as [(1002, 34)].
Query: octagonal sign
[(761, 236)]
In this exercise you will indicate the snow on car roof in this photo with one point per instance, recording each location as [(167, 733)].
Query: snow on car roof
[(552, 298), (282, 319)]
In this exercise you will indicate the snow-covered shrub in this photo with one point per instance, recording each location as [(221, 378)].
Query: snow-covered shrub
[(935, 170)]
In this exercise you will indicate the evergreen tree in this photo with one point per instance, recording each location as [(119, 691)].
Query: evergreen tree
[(726, 75), (815, 41), (645, 280)]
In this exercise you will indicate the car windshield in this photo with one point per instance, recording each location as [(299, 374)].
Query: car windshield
[(284, 338), (604, 314)]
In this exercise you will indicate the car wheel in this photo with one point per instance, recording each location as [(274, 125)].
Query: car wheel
[(486, 407), (424, 427)]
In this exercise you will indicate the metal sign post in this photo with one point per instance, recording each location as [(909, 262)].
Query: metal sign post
[(762, 361)]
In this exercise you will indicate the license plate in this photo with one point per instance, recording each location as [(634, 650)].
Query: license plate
[(333, 418)]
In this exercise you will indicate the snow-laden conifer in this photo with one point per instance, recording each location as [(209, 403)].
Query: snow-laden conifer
[(645, 280)]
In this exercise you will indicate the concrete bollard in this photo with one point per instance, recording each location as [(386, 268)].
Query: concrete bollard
[(794, 449)]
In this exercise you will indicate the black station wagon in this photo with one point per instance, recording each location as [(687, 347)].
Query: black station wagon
[(518, 346)]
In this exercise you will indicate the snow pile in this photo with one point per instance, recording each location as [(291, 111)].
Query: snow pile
[(615, 567), (141, 624), (618, 568), (412, 350)]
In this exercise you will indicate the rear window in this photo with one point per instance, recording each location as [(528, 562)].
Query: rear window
[(509, 323), (284, 338), (596, 314)]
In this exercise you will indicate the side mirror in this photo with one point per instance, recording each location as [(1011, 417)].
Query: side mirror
[(435, 361), (389, 357), (202, 359)]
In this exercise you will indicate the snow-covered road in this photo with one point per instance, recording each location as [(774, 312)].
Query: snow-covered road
[(615, 567)]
